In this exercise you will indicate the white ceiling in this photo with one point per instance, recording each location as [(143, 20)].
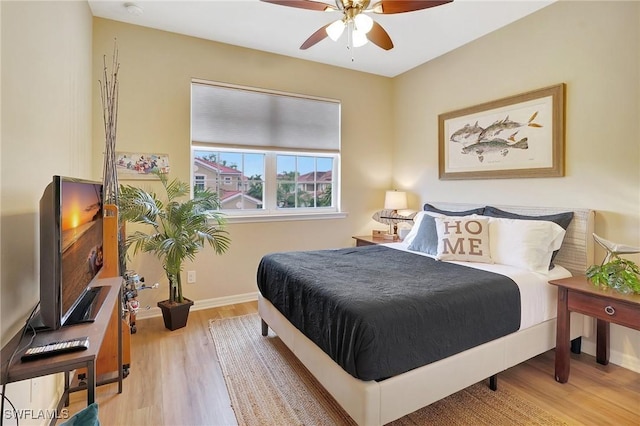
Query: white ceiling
[(418, 36)]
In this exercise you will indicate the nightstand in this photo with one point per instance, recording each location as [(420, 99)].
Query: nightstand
[(577, 294), (370, 240)]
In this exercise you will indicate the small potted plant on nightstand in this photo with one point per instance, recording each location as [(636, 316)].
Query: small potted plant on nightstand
[(622, 275), (178, 231)]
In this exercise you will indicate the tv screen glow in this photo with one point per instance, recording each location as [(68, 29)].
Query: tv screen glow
[(81, 239)]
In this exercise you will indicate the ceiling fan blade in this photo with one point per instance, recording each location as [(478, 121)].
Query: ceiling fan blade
[(389, 7), (319, 35), (303, 4), (380, 37)]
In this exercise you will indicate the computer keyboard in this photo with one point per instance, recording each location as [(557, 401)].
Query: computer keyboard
[(55, 348)]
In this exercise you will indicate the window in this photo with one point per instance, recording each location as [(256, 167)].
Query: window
[(236, 176), (266, 153), (304, 181), (199, 182)]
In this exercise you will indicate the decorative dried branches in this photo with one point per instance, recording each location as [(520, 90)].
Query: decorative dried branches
[(109, 97)]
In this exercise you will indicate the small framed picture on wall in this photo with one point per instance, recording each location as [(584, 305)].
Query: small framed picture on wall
[(135, 165)]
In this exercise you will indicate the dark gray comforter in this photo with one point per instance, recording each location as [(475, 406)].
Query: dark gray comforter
[(379, 312)]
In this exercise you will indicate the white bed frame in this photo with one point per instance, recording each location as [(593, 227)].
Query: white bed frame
[(377, 403)]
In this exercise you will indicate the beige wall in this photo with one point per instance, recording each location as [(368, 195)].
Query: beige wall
[(46, 130), (46, 125), (155, 75), (593, 47)]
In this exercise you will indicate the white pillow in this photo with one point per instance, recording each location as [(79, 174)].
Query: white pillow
[(464, 238), (526, 244)]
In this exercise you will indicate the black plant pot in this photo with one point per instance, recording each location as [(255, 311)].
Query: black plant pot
[(175, 314)]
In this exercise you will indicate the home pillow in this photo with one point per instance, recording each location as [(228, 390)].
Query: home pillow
[(430, 208), (463, 238), (562, 219), (426, 237), (525, 244)]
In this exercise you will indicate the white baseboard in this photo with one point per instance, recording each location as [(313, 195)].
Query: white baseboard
[(627, 361), (204, 304)]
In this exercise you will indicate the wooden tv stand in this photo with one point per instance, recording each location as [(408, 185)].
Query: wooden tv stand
[(109, 339), (65, 363)]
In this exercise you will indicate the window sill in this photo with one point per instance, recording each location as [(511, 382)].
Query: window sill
[(285, 217)]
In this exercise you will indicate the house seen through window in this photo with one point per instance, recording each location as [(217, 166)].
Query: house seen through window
[(265, 153), (237, 177)]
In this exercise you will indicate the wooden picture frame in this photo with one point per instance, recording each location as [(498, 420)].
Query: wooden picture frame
[(521, 136), (136, 165)]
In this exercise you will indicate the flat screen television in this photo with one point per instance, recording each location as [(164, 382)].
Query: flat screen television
[(71, 241)]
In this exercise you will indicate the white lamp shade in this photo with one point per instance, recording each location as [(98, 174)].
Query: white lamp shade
[(363, 22), (335, 30), (395, 200), (359, 38)]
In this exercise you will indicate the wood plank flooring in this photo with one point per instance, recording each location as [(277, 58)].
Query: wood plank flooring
[(176, 380)]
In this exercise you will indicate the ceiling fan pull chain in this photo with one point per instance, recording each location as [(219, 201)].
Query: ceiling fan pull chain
[(350, 39)]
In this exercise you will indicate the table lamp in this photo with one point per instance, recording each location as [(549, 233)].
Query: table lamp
[(393, 201)]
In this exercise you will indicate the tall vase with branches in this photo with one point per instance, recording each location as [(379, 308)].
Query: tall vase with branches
[(109, 96)]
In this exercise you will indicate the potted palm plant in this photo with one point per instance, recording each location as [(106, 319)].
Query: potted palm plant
[(178, 230)]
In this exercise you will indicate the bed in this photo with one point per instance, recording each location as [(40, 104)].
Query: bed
[(377, 400)]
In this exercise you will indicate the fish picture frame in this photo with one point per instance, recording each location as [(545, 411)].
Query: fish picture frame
[(521, 136)]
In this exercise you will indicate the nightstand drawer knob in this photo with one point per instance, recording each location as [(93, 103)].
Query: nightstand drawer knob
[(609, 310)]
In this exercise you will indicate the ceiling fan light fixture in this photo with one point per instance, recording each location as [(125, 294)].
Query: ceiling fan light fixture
[(335, 30), (363, 22), (355, 19), (359, 38)]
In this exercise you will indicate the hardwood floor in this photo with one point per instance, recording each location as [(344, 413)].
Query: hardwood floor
[(176, 380)]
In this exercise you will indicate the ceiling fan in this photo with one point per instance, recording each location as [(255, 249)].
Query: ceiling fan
[(360, 27)]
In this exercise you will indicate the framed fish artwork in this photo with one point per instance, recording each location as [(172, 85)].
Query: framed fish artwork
[(520, 136)]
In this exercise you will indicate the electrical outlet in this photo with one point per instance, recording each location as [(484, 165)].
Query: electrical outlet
[(191, 277)]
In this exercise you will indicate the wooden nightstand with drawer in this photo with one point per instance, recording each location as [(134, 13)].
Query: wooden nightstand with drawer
[(370, 240), (577, 294)]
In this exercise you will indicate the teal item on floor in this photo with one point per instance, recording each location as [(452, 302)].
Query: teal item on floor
[(86, 417)]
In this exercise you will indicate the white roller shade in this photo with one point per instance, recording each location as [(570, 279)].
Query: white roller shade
[(242, 117)]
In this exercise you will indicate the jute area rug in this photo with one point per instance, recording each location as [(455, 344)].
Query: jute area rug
[(269, 386)]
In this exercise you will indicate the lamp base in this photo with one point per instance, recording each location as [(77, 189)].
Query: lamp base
[(389, 236)]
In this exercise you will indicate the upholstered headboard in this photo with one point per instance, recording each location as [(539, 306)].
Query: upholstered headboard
[(576, 253)]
